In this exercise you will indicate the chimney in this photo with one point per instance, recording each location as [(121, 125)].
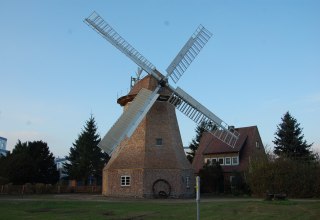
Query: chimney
[(231, 128)]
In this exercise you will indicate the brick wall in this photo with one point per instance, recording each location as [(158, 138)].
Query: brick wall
[(146, 162)]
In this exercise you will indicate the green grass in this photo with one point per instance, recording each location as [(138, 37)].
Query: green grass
[(43, 208)]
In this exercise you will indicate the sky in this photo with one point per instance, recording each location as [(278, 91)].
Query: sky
[(262, 61)]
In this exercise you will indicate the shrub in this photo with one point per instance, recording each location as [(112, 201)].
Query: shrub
[(3, 181), (282, 175), (211, 179)]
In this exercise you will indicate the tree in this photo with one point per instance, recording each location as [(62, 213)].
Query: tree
[(212, 179), (3, 167), (30, 162), (289, 140), (20, 168), (202, 127), (195, 141), (86, 160)]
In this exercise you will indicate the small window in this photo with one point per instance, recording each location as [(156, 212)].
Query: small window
[(125, 180), (257, 144), (221, 161), (214, 160), (227, 161), (159, 141), (208, 161), (235, 160), (188, 182)]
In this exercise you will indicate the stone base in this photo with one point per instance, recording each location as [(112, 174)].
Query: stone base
[(149, 183)]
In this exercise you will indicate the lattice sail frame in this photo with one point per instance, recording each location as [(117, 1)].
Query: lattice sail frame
[(106, 31), (188, 53), (129, 120), (199, 114)]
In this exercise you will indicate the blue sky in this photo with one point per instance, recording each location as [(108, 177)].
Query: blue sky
[(263, 60)]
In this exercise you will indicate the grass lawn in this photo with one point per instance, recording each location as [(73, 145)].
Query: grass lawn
[(47, 208)]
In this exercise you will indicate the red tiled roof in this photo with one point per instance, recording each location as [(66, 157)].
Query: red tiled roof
[(216, 146)]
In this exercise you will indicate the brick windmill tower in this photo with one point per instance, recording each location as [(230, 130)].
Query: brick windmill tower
[(151, 162), (147, 157)]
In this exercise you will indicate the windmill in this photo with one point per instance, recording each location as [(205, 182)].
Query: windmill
[(168, 172)]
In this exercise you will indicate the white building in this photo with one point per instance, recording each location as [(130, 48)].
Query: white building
[(59, 162), (3, 146)]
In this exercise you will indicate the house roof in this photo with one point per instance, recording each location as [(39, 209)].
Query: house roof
[(213, 145)]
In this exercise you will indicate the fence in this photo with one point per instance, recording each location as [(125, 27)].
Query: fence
[(47, 189)]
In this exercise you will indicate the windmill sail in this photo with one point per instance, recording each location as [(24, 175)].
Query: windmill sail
[(199, 113), (96, 22), (188, 53), (129, 120)]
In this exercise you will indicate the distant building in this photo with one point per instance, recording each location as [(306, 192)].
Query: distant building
[(59, 163), (3, 146), (212, 150)]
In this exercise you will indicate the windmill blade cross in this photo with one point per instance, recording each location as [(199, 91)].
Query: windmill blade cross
[(188, 53), (199, 113), (130, 119)]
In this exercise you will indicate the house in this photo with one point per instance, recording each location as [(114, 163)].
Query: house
[(232, 160)]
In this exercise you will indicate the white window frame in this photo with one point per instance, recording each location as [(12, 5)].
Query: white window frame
[(214, 160), (225, 161), (125, 180), (237, 160), (221, 158)]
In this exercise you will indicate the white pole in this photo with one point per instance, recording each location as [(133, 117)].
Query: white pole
[(198, 196)]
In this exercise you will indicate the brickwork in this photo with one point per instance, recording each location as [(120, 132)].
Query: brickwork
[(145, 160)]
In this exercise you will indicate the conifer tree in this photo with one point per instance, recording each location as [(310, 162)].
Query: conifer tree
[(30, 162), (86, 160), (195, 141), (289, 140)]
